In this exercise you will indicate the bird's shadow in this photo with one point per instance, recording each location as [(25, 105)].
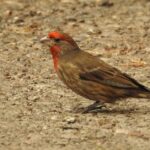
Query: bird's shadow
[(113, 111)]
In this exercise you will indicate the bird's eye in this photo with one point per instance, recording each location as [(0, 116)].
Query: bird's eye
[(57, 40)]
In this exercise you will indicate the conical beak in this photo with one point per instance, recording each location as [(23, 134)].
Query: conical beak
[(45, 39)]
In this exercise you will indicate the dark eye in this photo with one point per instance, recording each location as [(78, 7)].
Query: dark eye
[(57, 40)]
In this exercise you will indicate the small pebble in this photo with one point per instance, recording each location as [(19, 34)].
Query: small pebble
[(70, 119)]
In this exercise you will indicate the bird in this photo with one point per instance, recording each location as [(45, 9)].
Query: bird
[(89, 76)]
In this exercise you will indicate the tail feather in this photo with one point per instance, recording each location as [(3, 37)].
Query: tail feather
[(144, 94), (142, 91)]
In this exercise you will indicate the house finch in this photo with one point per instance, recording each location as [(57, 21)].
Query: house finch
[(89, 76)]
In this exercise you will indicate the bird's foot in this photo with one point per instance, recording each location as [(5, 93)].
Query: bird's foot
[(93, 108)]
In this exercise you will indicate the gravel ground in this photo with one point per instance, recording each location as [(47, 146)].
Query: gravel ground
[(36, 108)]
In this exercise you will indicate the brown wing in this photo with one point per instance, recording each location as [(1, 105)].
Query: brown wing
[(105, 74), (90, 68)]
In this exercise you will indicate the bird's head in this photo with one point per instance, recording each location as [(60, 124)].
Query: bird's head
[(60, 44)]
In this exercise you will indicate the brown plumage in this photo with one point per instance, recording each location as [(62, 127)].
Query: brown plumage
[(89, 76)]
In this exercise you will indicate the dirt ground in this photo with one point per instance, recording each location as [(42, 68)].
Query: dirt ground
[(36, 108)]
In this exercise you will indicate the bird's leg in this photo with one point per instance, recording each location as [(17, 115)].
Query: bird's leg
[(95, 107)]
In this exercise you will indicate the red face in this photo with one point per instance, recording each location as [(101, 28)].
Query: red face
[(57, 40)]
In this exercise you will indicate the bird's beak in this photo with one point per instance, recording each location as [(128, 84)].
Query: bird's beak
[(44, 39)]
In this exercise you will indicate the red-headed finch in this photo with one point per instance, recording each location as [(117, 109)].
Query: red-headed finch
[(89, 76)]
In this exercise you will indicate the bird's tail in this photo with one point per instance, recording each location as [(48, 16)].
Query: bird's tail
[(144, 94), (141, 92)]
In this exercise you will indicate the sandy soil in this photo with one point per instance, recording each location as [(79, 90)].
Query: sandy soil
[(36, 108)]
